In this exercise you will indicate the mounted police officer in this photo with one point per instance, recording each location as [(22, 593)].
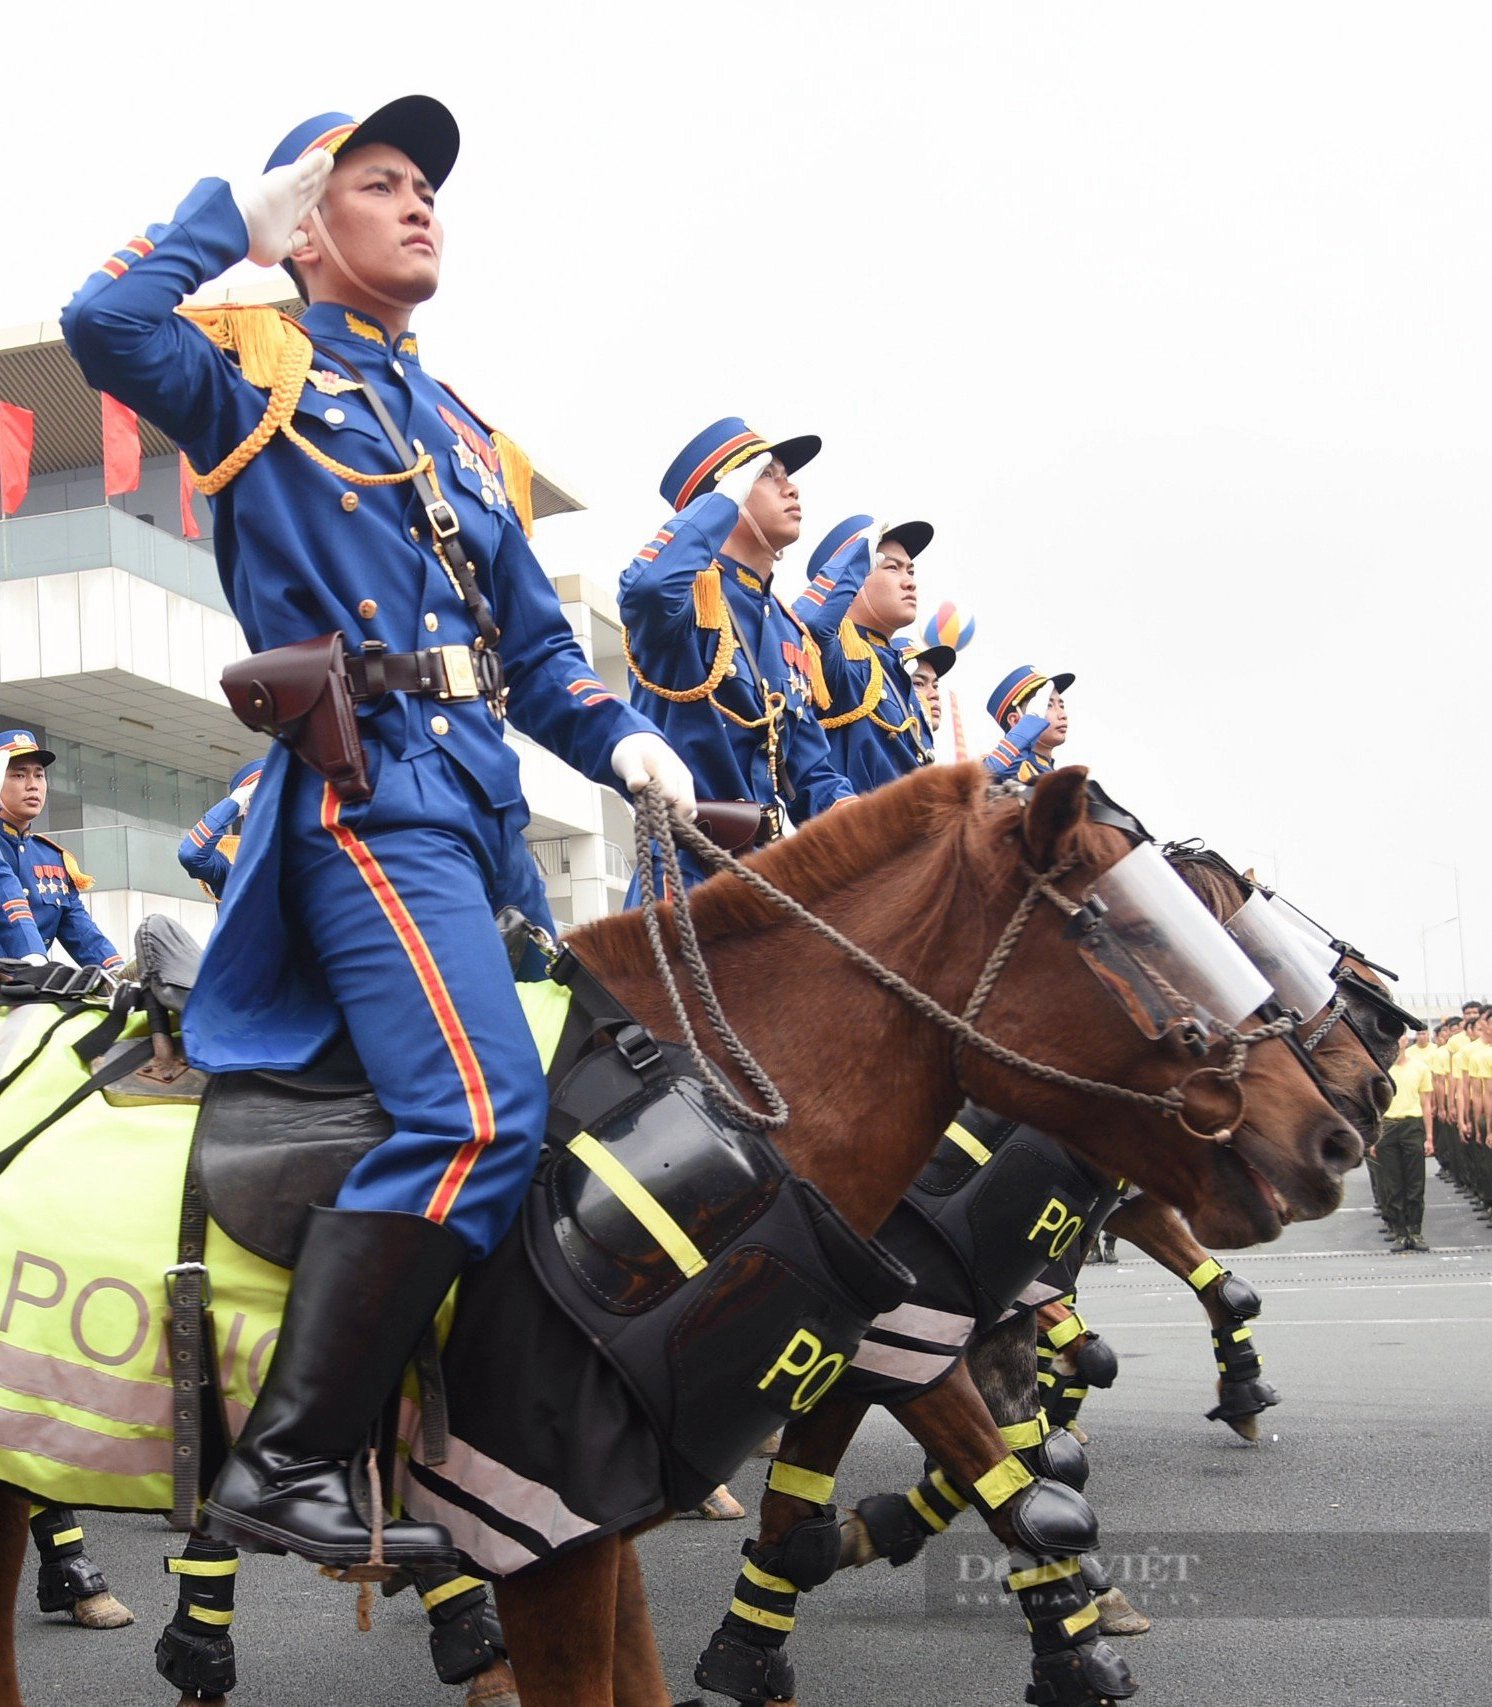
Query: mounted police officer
[(862, 586), (926, 665), (370, 535), (41, 884), (1033, 727), (724, 668), (207, 850)]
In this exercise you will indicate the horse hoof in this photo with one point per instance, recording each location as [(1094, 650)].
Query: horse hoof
[(769, 1448), (1116, 1617), (720, 1507), (1246, 1428), (493, 1687), (101, 1612), (1078, 1434), (855, 1545)]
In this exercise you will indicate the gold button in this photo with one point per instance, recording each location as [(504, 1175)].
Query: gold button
[(369, 607), (439, 726), (432, 621), (414, 534), (336, 416), (349, 501)]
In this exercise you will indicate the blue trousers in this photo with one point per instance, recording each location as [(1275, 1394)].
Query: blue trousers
[(395, 897)]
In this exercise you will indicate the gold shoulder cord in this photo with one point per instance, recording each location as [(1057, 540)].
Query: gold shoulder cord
[(274, 351)]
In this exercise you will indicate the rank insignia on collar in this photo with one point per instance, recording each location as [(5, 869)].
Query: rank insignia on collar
[(364, 328), (333, 384)]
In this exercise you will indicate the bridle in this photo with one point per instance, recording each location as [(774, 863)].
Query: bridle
[(657, 825)]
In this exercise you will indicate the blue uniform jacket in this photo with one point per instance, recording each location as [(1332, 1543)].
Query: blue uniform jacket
[(675, 630), (199, 854), (875, 724), (1015, 756), (40, 904), (302, 551)]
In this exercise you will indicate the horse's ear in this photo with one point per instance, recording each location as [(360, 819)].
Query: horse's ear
[(1249, 876), (1059, 803)]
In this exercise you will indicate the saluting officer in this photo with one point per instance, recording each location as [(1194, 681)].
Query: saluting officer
[(926, 665), (723, 667), (41, 884), (208, 849), (862, 586), (373, 912), (1024, 752)]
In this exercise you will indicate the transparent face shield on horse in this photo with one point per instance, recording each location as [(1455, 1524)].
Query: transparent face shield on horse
[(1299, 966), (1162, 956)]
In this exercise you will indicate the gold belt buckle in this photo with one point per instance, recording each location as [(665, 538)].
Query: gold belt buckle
[(461, 678)]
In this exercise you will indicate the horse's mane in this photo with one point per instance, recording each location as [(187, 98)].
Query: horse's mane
[(1221, 894), (832, 852)]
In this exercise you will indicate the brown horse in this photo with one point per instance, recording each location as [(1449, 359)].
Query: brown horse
[(960, 1421), (927, 876)]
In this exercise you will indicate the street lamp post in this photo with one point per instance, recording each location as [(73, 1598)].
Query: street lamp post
[(1424, 959), (1455, 871)]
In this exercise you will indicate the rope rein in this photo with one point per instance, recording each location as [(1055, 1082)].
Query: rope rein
[(655, 823)]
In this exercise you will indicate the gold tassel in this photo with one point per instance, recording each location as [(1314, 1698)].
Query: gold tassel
[(856, 647), (518, 479), (82, 882), (709, 600), (821, 694), (255, 332)]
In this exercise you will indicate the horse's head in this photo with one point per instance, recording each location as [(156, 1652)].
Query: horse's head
[(1310, 979), (1152, 1001)]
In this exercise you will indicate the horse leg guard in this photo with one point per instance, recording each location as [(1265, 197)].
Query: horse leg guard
[(744, 1658), (895, 1526), (465, 1635), (1242, 1391), (195, 1651), (1086, 1674), (68, 1580), (1047, 1452)]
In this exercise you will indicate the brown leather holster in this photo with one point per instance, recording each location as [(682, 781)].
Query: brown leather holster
[(300, 694), (735, 825)]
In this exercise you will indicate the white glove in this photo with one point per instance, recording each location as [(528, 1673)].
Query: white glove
[(273, 206), (640, 759), (874, 534), (243, 794), (738, 483)]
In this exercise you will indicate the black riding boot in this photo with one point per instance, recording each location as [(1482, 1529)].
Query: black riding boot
[(366, 1286)]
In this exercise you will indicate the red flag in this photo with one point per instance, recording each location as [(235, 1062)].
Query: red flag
[(189, 528), (17, 434), (121, 447)]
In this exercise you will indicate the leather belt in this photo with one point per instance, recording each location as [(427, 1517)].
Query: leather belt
[(438, 672)]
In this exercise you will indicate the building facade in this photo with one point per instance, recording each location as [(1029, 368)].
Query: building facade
[(114, 633)]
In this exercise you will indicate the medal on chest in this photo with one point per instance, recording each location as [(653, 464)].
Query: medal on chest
[(477, 457)]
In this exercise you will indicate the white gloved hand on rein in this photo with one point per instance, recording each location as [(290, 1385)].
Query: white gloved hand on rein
[(274, 206), (641, 758)]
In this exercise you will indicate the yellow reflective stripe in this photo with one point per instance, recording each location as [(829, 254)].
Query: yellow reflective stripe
[(1045, 1573), (1018, 1435), (1045, 1378), (948, 1491), (925, 1511), (755, 1615), (202, 1567), (640, 1202), (1080, 1620), (802, 1484), (1243, 1334), (1065, 1332), (968, 1143), (35, 1511), (448, 1591), (1008, 1477), (1204, 1274), (765, 1579), (206, 1615), (63, 1536)]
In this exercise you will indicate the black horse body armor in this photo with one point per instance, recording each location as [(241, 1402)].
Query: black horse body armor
[(995, 1225)]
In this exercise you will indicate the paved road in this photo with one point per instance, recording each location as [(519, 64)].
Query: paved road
[(1383, 1440)]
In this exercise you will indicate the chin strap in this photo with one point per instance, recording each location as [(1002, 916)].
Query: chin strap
[(761, 538), (324, 237)]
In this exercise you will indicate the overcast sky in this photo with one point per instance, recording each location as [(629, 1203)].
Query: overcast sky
[(1172, 319)]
